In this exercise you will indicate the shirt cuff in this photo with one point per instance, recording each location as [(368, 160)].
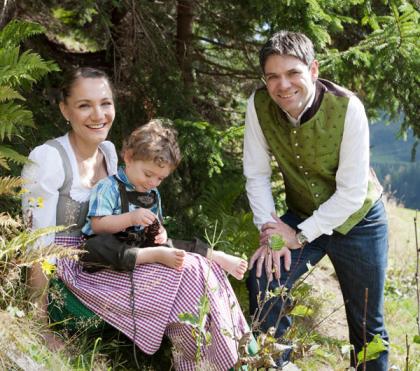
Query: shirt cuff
[(311, 229)]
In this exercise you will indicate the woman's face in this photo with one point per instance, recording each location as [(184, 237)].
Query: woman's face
[(89, 109)]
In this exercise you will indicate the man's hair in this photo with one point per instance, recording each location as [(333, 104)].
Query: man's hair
[(288, 43), (155, 142), (71, 77)]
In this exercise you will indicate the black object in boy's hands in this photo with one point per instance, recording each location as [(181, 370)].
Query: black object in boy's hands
[(150, 232)]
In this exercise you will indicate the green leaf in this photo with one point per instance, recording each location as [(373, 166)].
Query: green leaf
[(301, 311), (64, 15), (373, 350), (188, 319), (208, 338), (204, 305), (276, 242), (416, 339)]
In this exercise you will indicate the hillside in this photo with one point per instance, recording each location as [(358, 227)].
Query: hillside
[(391, 159)]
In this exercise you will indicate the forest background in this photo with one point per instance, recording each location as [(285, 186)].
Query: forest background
[(195, 62)]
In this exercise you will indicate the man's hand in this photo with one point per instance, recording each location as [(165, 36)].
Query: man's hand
[(279, 227), (271, 261), (162, 237)]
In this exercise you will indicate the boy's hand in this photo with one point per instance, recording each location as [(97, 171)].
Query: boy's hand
[(162, 237), (142, 217)]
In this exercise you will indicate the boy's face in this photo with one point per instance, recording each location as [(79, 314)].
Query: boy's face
[(290, 82), (145, 175)]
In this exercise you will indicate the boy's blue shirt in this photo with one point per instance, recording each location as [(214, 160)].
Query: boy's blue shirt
[(105, 200)]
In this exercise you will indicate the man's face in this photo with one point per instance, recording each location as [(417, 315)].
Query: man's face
[(290, 82)]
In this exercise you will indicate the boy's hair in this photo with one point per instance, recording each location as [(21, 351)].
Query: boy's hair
[(155, 142), (72, 76), (288, 43)]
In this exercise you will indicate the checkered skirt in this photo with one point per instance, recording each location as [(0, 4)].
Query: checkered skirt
[(160, 295)]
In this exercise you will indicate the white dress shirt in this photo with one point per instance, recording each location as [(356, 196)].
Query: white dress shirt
[(351, 178)]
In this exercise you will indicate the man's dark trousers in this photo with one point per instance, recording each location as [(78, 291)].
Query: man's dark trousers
[(359, 259)]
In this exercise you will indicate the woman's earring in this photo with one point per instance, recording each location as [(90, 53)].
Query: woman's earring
[(68, 122)]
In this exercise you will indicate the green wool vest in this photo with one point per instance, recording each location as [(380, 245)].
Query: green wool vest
[(308, 155)]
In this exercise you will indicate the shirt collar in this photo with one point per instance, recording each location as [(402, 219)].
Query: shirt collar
[(121, 175)]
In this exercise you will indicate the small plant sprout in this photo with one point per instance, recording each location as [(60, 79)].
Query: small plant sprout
[(276, 242)]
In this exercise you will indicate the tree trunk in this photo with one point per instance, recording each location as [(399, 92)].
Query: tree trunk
[(185, 17), (7, 12)]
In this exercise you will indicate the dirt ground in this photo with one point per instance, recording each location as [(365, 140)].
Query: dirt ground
[(326, 287)]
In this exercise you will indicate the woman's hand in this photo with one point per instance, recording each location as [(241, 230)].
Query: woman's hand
[(279, 227), (142, 217), (162, 237)]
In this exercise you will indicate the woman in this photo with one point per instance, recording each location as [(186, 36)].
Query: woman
[(62, 173)]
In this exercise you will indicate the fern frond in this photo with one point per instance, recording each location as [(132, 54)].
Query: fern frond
[(6, 221), (9, 184), (240, 236), (220, 196), (17, 31), (7, 93), (8, 224), (13, 118), (38, 255), (3, 162), (7, 153), (24, 241), (22, 70)]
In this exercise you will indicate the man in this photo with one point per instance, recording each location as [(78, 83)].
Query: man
[(318, 133)]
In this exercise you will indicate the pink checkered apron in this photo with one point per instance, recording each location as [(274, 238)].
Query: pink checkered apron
[(161, 294)]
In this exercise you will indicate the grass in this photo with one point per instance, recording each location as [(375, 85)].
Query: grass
[(400, 294), (323, 351)]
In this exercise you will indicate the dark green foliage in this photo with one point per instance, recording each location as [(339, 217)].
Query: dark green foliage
[(209, 157)]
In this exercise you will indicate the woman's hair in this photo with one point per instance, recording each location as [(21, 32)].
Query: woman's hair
[(155, 142), (82, 72)]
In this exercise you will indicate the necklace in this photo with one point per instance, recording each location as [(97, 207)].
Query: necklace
[(91, 168)]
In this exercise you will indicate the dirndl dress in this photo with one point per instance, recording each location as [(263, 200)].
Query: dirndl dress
[(161, 294)]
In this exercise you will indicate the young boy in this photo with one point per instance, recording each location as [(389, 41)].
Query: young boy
[(151, 153)]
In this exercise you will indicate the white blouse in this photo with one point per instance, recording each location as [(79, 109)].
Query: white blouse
[(44, 176)]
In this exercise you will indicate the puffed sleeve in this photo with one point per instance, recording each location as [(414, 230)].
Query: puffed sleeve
[(111, 156), (43, 177)]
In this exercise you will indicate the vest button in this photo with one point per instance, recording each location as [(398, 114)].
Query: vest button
[(294, 131), (312, 184), (300, 166), (306, 173), (316, 195), (297, 156), (296, 144)]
